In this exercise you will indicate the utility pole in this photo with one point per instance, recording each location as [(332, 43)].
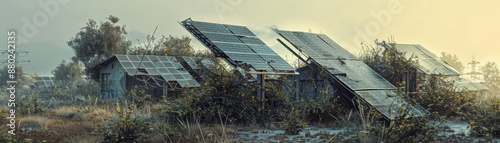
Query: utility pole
[(474, 74)]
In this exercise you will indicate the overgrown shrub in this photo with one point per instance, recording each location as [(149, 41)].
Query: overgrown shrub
[(30, 104), (293, 122), (128, 126), (442, 97), (225, 92), (484, 118)]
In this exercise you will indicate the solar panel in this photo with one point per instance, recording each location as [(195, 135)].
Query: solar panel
[(122, 57), (164, 66), (239, 44), (222, 37), (278, 63), (389, 105), (349, 70), (358, 75), (239, 30), (321, 46), (188, 83), (233, 47), (251, 40), (253, 59), (44, 81), (210, 27), (262, 49), (428, 62), (468, 85), (163, 59), (338, 49), (192, 62)]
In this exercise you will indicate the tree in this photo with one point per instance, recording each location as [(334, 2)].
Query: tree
[(491, 76), (96, 43), (453, 61), (68, 72)]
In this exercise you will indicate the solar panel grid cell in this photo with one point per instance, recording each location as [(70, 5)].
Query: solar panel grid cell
[(222, 37), (154, 65), (239, 30), (210, 27), (252, 40), (233, 47)]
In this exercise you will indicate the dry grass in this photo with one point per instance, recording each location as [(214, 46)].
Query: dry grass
[(97, 115), (81, 139), (33, 123), (65, 111)]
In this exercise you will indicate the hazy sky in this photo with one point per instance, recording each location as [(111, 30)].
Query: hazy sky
[(460, 28)]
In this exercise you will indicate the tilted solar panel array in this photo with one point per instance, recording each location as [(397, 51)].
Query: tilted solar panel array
[(429, 63), (350, 71), (193, 62), (44, 81), (467, 84), (238, 43), (165, 66)]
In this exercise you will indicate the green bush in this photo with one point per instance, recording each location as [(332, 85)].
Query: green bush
[(30, 104), (128, 126)]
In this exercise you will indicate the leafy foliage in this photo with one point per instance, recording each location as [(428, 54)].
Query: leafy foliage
[(492, 76), (98, 42), (30, 104), (390, 63), (442, 97), (69, 73), (170, 46), (129, 126), (484, 117), (453, 61)]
